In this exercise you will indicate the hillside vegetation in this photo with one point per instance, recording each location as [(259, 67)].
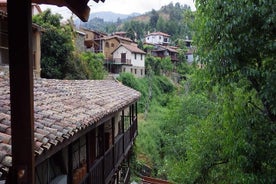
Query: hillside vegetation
[(217, 125), (173, 19)]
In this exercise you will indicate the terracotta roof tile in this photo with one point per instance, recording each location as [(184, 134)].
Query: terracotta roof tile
[(61, 109)]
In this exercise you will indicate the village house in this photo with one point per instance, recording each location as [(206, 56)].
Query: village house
[(157, 38), (190, 51), (93, 40), (60, 131), (37, 31), (165, 51), (127, 58), (110, 43), (121, 53), (80, 40)]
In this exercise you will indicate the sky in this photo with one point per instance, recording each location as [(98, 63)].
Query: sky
[(120, 6)]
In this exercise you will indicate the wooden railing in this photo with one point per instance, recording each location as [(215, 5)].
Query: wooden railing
[(118, 61), (119, 149), (105, 166), (108, 162), (96, 172)]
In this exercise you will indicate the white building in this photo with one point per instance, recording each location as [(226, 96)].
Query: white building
[(130, 58), (158, 38)]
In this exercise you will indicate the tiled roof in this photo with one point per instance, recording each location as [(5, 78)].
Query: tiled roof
[(132, 48), (163, 48), (159, 33), (116, 37), (61, 109)]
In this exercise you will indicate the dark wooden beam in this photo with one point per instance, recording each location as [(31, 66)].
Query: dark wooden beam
[(79, 8), (21, 90)]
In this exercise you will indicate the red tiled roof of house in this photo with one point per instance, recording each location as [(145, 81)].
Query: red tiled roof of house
[(163, 48), (159, 33), (61, 109), (132, 48), (116, 37)]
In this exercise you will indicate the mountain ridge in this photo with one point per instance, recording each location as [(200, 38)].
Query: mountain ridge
[(109, 16)]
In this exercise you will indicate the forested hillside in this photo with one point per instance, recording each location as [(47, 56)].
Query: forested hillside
[(173, 19)]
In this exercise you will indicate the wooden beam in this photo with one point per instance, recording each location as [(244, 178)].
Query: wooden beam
[(79, 8), (21, 90)]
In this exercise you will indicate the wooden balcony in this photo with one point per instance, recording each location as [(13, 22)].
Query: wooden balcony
[(119, 61), (104, 168)]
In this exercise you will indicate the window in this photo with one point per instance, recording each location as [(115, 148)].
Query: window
[(141, 56), (131, 70), (112, 44), (135, 71), (106, 44), (135, 56), (142, 72)]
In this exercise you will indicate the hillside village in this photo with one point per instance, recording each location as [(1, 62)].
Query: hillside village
[(147, 100), (111, 124), (123, 54)]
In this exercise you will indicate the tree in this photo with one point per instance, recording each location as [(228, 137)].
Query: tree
[(166, 65), (237, 46), (154, 64), (160, 26), (153, 18), (95, 65), (56, 45), (239, 41)]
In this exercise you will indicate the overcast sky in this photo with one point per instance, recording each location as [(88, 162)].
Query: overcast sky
[(120, 6)]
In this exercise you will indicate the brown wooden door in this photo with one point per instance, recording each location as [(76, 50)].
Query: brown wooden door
[(123, 57)]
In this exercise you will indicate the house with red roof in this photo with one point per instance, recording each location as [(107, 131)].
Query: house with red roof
[(128, 58), (157, 38), (165, 51)]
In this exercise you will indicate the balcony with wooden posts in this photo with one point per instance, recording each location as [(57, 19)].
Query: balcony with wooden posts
[(118, 61), (105, 167)]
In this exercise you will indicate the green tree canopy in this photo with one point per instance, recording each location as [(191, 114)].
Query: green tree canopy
[(237, 39), (95, 65), (56, 45)]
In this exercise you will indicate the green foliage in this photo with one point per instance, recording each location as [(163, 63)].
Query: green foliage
[(166, 65), (134, 29), (148, 144), (95, 65), (210, 133), (176, 20), (153, 64), (56, 45), (153, 18), (129, 80), (152, 88), (239, 41), (57, 52), (220, 126), (46, 19)]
